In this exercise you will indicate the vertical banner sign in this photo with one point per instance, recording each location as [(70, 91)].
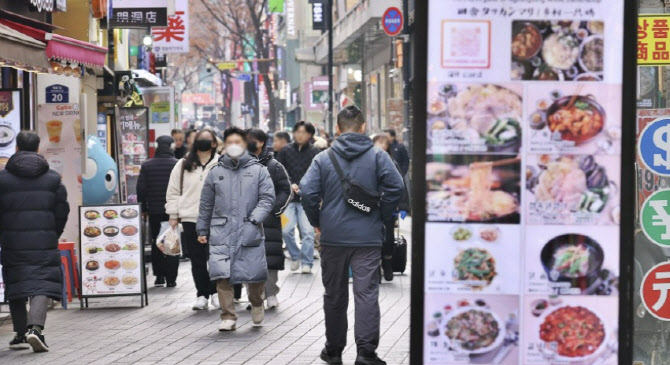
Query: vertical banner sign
[(59, 128), (111, 255), (175, 37), (138, 14), (318, 15), (523, 174), (133, 132), (10, 123)]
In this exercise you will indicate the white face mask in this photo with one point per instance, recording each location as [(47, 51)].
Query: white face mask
[(234, 151)]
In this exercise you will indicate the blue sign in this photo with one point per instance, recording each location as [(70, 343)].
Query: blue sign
[(58, 94), (243, 77), (654, 146), (392, 21)]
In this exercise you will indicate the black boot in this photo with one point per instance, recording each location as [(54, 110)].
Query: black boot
[(368, 358), (387, 266), (331, 357)]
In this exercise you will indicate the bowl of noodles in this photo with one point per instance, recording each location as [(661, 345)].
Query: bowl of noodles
[(572, 334), (573, 258)]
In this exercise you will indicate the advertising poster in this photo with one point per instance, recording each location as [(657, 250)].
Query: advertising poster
[(523, 182), (132, 128), (175, 37), (10, 123), (111, 255), (59, 128)]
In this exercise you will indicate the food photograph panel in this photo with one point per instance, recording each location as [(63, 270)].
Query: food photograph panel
[(558, 50), (571, 330), (572, 189), (473, 188), (474, 118), (573, 118), (111, 256), (572, 260), (472, 258), (471, 329)]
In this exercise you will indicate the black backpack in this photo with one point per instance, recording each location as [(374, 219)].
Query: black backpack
[(356, 196)]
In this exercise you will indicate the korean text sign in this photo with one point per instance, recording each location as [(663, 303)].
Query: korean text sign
[(653, 44)]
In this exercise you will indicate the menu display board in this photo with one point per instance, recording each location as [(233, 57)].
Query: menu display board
[(111, 251), (523, 182), (10, 123), (133, 129)]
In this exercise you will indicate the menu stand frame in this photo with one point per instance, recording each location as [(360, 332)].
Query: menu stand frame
[(144, 293)]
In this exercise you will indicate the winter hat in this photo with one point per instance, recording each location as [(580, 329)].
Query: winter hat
[(164, 144)]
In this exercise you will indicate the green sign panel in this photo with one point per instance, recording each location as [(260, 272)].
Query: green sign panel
[(276, 6), (655, 218), (133, 50)]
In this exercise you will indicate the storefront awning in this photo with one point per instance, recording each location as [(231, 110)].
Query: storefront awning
[(63, 48), (22, 51)]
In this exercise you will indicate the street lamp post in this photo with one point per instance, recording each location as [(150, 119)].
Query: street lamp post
[(329, 17)]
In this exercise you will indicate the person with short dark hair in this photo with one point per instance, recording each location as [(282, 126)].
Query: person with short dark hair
[(351, 236), (189, 136), (237, 197), (33, 214), (281, 139), (152, 187), (256, 144), (297, 157), (180, 148), (399, 152)]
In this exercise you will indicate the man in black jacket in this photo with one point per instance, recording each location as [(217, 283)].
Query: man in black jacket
[(180, 149), (33, 213), (274, 253), (399, 152), (297, 157), (151, 188)]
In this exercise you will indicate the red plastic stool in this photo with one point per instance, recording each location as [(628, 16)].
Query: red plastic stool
[(69, 246), (68, 282)]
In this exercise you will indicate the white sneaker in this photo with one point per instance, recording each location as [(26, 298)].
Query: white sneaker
[(227, 325), (306, 269), (200, 303), (257, 315), (316, 255), (295, 265), (273, 302), (215, 301)]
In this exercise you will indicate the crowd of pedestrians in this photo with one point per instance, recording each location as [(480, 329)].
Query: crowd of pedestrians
[(238, 200)]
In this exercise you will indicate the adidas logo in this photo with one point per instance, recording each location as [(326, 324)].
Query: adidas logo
[(359, 205)]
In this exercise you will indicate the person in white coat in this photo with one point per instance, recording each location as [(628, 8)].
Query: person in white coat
[(183, 205)]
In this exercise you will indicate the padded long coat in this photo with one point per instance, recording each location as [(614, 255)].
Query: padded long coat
[(235, 193), (33, 213)]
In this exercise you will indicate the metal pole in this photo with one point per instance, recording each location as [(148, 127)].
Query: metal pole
[(329, 12), (406, 70)]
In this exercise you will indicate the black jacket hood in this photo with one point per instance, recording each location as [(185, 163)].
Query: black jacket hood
[(265, 156), (27, 164), (352, 145)]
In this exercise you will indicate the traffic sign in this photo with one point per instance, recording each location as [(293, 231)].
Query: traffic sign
[(243, 77), (392, 21), (226, 66), (654, 291), (654, 146), (655, 218)]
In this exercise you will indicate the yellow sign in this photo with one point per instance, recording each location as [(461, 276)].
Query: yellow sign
[(653, 44), (226, 66)]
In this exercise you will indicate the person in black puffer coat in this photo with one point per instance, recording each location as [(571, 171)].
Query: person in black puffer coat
[(274, 253), (151, 188), (33, 213)]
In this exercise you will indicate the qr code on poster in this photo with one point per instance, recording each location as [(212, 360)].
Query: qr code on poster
[(465, 42)]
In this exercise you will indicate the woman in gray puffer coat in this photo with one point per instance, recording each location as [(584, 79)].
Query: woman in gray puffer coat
[(237, 197)]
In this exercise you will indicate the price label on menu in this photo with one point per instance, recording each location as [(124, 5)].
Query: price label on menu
[(111, 250), (523, 176)]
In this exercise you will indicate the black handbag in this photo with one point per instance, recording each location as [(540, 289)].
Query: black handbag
[(356, 196)]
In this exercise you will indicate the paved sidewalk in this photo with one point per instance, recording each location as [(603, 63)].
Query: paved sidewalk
[(118, 331)]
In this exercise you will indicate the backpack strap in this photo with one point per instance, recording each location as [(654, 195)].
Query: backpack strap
[(181, 178), (336, 164)]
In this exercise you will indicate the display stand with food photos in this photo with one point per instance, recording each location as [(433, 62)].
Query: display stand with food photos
[(112, 259), (523, 173)]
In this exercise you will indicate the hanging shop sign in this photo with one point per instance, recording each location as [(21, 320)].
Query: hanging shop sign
[(11, 114), (653, 44), (57, 94), (654, 291), (290, 19), (319, 16), (133, 129), (654, 146), (521, 243), (112, 259), (138, 14), (392, 21), (175, 37)]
